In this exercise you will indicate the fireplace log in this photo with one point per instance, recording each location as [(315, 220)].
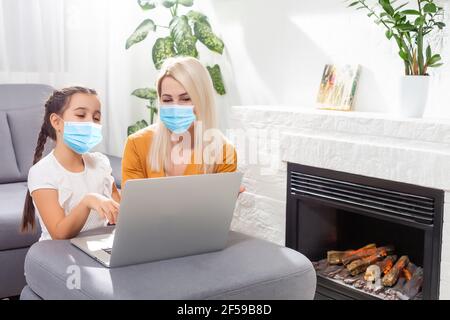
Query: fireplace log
[(391, 277), (409, 270), (335, 257), (363, 253), (413, 286), (360, 265), (387, 264), (356, 256), (401, 281)]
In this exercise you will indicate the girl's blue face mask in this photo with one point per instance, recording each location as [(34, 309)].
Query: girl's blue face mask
[(177, 118), (81, 137)]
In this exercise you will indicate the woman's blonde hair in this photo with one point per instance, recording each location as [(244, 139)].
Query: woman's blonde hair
[(195, 79)]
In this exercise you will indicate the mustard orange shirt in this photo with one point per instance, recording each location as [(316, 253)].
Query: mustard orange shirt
[(136, 156)]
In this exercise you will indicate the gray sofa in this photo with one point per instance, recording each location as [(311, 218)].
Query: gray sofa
[(21, 114)]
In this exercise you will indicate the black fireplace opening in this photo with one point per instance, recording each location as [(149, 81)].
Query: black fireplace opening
[(333, 214)]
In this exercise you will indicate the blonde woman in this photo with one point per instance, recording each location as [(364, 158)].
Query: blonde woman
[(185, 139)]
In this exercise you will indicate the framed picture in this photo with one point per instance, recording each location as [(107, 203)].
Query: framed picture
[(338, 87)]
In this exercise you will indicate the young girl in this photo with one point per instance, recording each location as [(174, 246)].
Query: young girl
[(71, 189)]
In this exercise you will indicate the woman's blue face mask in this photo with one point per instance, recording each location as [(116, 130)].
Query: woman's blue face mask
[(177, 118), (81, 137)]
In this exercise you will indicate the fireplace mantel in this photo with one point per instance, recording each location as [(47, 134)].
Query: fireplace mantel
[(415, 151), (427, 130)]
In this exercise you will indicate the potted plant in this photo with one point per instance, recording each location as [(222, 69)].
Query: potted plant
[(183, 32), (410, 26)]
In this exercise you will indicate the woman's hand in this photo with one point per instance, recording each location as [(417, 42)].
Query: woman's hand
[(105, 207)]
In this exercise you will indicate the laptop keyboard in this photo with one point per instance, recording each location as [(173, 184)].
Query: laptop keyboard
[(107, 250)]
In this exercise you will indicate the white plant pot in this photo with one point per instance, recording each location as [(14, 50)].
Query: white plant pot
[(413, 96)]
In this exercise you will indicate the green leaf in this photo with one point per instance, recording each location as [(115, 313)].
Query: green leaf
[(162, 49), (411, 12), (430, 8), (145, 93), (385, 4), (195, 16), (435, 58), (169, 3), (186, 3), (440, 24), (435, 65), (147, 4), (389, 34), (140, 33), (182, 34), (205, 35), (420, 21), (403, 55), (406, 27), (137, 126), (353, 4), (216, 76)]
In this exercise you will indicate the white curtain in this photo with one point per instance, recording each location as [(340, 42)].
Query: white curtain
[(32, 43), (56, 42)]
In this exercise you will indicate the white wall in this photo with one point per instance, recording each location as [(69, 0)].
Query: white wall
[(274, 55), (278, 50)]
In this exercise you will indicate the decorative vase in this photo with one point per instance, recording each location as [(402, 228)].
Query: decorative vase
[(413, 96)]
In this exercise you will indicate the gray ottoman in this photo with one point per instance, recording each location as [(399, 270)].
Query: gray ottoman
[(248, 268)]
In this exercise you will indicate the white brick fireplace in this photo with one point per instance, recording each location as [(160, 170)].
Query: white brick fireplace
[(415, 151)]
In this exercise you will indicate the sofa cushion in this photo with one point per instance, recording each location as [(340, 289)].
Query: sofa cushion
[(23, 95), (25, 125), (248, 268), (12, 278), (12, 197), (8, 168)]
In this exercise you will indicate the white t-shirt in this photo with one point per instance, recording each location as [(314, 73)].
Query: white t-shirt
[(48, 173)]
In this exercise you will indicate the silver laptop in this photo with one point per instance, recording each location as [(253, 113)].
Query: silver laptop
[(168, 217)]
